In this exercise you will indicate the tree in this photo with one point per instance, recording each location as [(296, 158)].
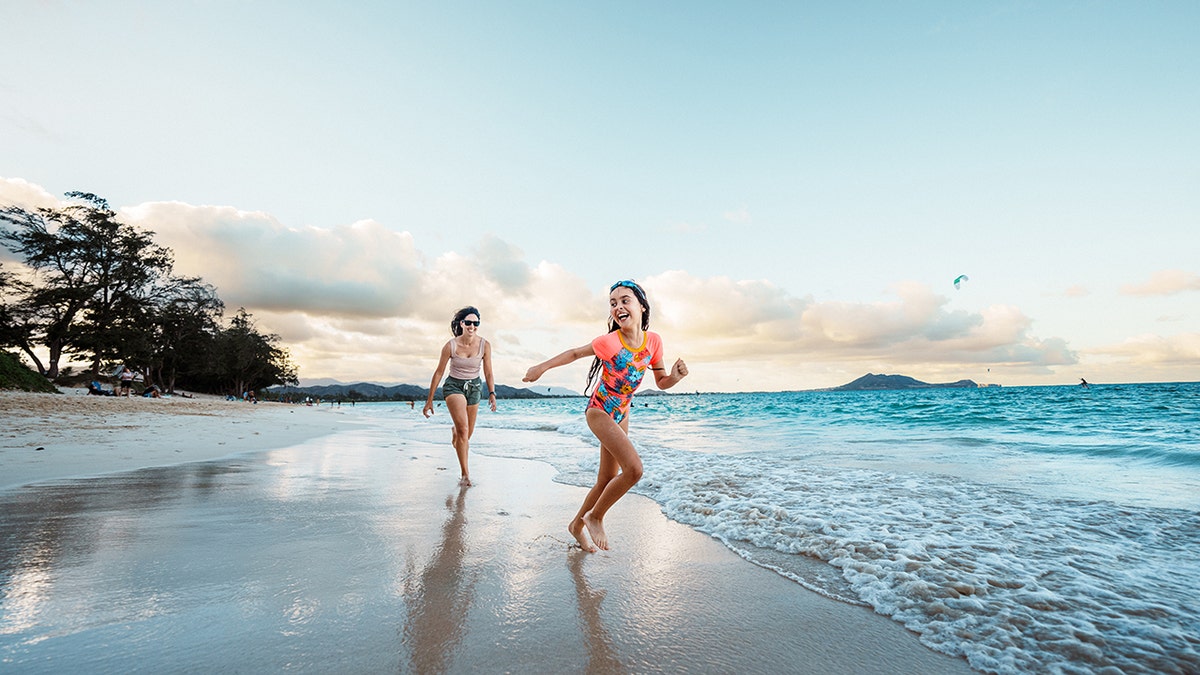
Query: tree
[(185, 323), (8, 284), (247, 360), (94, 274)]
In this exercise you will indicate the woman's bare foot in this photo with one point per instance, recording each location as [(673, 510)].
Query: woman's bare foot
[(465, 481), (595, 528), (576, 530)]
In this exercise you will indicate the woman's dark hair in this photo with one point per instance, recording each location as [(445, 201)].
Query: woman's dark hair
[(456, 322), (638, 293)]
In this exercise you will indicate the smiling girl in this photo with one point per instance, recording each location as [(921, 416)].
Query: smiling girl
[(622, 357)]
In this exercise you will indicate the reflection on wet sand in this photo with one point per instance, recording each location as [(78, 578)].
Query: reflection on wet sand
[(602, 656), (50, 528), (439, 600)]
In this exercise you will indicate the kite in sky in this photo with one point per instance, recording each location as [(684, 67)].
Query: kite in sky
[(961, 278)]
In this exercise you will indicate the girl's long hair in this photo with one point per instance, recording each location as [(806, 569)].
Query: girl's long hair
[(594, 371), (456, 322)]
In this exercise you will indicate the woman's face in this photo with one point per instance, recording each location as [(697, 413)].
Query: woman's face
[(624, 308), (470, 324)]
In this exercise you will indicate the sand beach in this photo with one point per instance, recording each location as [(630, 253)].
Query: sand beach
[(179, 535)]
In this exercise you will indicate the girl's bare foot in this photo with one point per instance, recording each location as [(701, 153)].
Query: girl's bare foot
[(576, 530), (595, 528)]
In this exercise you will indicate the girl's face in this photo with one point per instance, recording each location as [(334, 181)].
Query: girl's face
[(470, 324), (624, 308)]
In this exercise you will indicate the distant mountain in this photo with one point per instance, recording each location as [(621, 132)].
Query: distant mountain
[(873, 382), (367, 391)]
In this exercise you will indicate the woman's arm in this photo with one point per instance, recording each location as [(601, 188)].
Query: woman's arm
[(487, 374), (569, 356), (437, 377)]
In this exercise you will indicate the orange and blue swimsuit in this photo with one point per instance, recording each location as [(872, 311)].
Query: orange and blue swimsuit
[(623, 369)]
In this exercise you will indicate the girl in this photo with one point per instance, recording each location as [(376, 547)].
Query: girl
[(624, 354), (468, 354)]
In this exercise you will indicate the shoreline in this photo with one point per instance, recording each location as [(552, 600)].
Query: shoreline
[(475, 579), (48, 437)]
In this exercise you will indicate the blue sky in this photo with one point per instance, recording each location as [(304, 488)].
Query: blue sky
[(796, 183)]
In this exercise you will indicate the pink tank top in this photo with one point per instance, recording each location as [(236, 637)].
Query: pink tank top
[(465, 367)]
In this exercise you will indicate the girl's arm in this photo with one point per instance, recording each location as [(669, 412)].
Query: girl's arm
[(569, 356), (487, 374), (437, 377), (664, 381)]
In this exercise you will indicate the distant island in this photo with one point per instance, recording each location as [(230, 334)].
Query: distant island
[(367, 391), (873, 382)]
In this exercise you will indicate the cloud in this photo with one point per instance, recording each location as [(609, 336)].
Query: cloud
[(504, 264), (20, 192), (683, 227), (1165, 282), (739, 216), (1158, 352), (721, 320), (362, 301), (1077, 292), (358, 270)]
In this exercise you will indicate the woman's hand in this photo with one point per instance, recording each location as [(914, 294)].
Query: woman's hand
[(428, 409)]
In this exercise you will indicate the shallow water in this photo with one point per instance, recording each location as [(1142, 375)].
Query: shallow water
[(1029, 529)]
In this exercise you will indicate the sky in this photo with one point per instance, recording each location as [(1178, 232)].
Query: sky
[(795, 184)]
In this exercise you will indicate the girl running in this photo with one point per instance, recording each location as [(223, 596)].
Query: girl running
[(621, 358)]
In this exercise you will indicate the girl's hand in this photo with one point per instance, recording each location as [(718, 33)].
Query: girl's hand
[(679, 370), (533, 374)]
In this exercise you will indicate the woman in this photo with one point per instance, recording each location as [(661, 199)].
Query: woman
[(468, 354)]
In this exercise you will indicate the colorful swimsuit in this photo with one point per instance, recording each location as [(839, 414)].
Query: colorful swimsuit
[(623, 369)]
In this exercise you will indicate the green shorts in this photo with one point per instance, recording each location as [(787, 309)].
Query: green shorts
[(471, 389)]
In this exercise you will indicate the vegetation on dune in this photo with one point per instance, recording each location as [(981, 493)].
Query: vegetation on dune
[(15, 375)]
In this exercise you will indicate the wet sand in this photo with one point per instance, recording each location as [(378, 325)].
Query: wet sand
[(357, 552)]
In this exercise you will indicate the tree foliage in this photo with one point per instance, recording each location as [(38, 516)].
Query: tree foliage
[(104, 292)]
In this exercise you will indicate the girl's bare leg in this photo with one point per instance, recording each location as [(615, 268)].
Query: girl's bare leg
[(461, 435), (608, 470), (614, 443)]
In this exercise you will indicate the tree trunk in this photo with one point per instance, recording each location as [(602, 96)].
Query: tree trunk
[(33, 357), (56, 350)]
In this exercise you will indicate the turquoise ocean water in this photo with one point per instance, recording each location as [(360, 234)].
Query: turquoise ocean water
[(1030, 529)]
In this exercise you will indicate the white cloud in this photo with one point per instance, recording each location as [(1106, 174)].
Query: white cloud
[(359, 270), (1165, 282), (20, 192), (738, 216), (363, 302)]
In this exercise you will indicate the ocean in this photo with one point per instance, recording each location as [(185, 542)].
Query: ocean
[(1027, 529)]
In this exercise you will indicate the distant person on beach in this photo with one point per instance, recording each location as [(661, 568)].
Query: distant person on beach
[(469, 355), (1084, 383), (126, 381), (621, 358)]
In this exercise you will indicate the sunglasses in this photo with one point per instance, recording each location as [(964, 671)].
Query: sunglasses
[(470, 323), (626, 283)]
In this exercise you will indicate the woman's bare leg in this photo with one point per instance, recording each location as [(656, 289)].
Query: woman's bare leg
[(461, 435)]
